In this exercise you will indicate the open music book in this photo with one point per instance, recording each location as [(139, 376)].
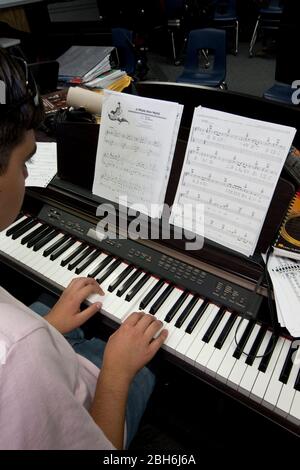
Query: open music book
[(231, 166)]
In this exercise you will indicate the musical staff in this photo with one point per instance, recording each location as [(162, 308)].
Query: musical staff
[(135, 149), (232, 165)]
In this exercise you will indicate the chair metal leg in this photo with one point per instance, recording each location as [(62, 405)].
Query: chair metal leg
[(204, 52), (254, 37), (236, 37), (173, 46)]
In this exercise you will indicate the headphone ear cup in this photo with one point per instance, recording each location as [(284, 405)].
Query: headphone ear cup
[(51, 121)]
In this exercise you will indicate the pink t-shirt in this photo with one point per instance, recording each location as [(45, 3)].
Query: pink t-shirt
[(45, 387)]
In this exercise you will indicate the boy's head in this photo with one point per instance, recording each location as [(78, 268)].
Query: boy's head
[(19, 116)]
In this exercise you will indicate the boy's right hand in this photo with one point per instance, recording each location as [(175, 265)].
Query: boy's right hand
[(133, 345)]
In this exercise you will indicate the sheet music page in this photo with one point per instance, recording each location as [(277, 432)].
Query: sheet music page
[(232, 165), (134, 148), (43, 166)]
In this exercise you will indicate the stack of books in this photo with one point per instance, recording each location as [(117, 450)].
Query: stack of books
[(90, 66)]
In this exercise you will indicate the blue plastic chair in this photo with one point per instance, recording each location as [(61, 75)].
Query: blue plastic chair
[(122, 39), (268, 19), (226, 17), (280, 92), (205, 39)]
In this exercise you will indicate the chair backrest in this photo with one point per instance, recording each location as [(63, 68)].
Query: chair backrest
[(122, 39), (174, 8), (274, 5), (225, 7), (206, 38)]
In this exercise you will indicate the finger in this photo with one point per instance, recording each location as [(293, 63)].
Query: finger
[(93, 282), (84, 291), (84, 281), (88, 312), (153, 329), (158, 342), (133, 318), (145, 320)]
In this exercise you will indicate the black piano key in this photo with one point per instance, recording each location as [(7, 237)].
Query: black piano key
[(86, 252), (87, 262), (55, 245), (297, 382), (128, 283), (161, 299), (213, 326), (288, 364), (18, 233), (101, 266), (74, 254), (109, 270), (225, 332), (137, 287), (61, 250), (255, 346), (174, 309), (244, 338), (183, 316), (268, 353), (18, 226), (120, 278), (46, 230), (32, 234), (148, 297), (37, 246), (190, 327)]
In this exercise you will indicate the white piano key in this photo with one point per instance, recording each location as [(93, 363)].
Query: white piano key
[(240, 365), (196, 346), (157, 295), (113, 298), (16, 222), (188, 338), (219, 354), (287, 393), (126, 308), (228, 362), (294, 414), (164, 310), (208, 349), (174, 333), (262, 380), (274, 386), (15, 248), (252, 371)]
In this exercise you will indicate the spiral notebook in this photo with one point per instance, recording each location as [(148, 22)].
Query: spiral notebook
[(288, 240), (285, 276)]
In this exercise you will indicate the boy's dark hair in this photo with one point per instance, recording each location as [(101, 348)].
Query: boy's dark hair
[(20, 112)]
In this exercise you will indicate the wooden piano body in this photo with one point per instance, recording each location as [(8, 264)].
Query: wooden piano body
[(208, 298)]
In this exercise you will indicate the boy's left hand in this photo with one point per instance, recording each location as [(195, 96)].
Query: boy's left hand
[(65, 316)]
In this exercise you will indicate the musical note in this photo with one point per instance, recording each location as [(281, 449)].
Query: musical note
[(134, 160), (232, 165)]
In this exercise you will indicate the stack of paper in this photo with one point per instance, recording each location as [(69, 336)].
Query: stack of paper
[(135, 150), (83, 64), (285, 276)]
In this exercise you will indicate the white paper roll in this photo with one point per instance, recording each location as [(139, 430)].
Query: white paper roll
[(81, 98)]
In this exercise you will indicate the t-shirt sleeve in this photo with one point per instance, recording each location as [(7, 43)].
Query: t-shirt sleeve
[(39, 408)]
